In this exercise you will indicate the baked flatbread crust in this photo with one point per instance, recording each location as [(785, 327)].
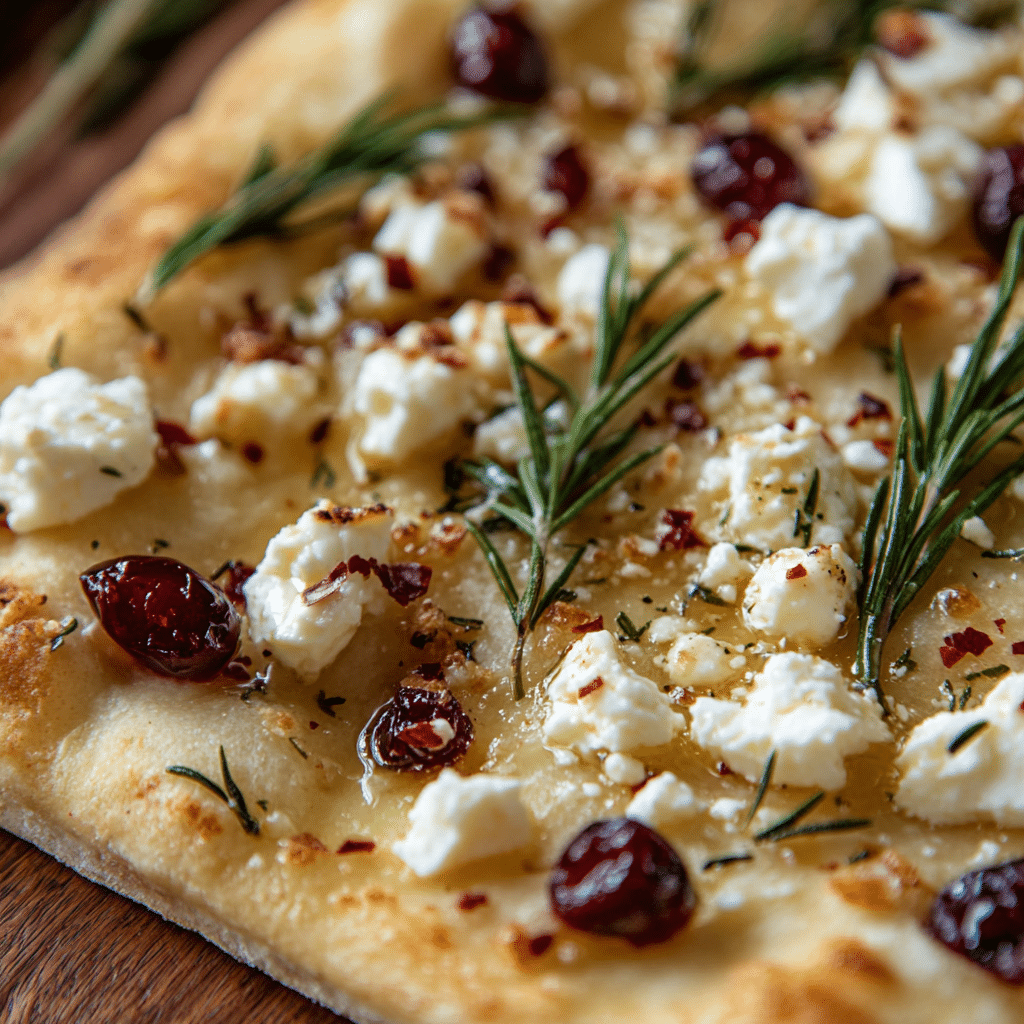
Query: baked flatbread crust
[(86, 735)]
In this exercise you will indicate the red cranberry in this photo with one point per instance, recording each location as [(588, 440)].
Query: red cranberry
[(401, 736), (495, 53), (164, 614), (999, 198), (564, 172), (619, 877), (747, 176), (981, 916)]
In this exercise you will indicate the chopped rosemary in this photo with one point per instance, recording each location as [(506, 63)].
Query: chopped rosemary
[(1009, 553), (136, 316), (233, 797), (858, 857), (373, 143), (295, 743), (905, 661), (727, 858), (323, 475), (988, 673), (467, 624), (707, 596), (328, 704), (67, 627), (803, 521), (574, 458), (918, 513), (762, 788), (110, 470), (948, 691), (966, 736), (964, 698), (790, 819), (629, 628), (819, 827), (56, 352)]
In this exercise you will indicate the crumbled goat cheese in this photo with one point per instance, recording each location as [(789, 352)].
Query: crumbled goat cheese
[(956, 55), (457, 819), (764, 479), (622, 711), (977, 532), (441, 240), (581, 282), (800, 707), (866, 102), (920, 185), (662, 800), (822, 272), (405, 401), (723, 568), (502, 438), (865, 457), (727, 808), (626, 770), (262, 401), (981, 781), (69, 445), (698, 660), (309, 636), (358, 284), (801, 594)]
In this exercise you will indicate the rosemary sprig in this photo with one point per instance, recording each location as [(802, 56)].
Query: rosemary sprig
[(762, 788), (966, 736), (574, 458), (373, 143), (233, 797), (826, 45), (918, 513)]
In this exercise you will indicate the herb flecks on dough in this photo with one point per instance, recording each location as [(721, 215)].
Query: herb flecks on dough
[(232, 797), (574, 448), (919, 511), (373, 143)]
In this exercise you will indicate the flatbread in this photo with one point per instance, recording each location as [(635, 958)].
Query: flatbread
[(798, 933)]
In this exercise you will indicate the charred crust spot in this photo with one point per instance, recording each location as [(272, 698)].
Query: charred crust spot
[(303, 849), (205, 824), (341, 516), (850, 956)]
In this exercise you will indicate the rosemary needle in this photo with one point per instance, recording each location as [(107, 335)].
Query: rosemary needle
[(575, 459)]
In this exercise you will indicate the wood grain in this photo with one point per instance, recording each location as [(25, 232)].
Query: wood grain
[(74, 953)]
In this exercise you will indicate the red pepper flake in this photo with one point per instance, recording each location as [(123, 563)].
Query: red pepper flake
[(1018, 647), (172, 437), (723, 769), (500, 259), (357, 846), (903, 33), (314, 725), (319, 432), (647, 419), (797, 395), (685, 415), (471, 900), (749, 350), (519, 292), (540, 944), (687, 375), (796, 572), (404, 581), (999, 623), (957, 645), (906, 277), (871, 408), (789, 424), (399, 273), (252, 452), (595, 684), (885, 446), (741, 227), (593, 626), (675, 531)]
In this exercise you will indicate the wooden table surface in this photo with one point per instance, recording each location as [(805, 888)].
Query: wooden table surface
[(72, 952)]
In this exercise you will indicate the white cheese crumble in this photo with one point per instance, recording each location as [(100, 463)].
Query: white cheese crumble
[(865, 103), (865, 457), (822, 272), (309, 636), (977, 532), (801, 594), (262, 401), (405, 401), (457, 819), (502, 438), (764, 479), (920, 185), (981, 781), (441, 240), (802, 708), (626, 770), (69, 445), (698, 660), (662, 800), (623, 711), (581, 282), (723, 569)]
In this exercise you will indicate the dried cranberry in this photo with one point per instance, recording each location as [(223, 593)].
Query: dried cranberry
[(981, 916), (495, 53), (999, 198), (164, 614), (564, 173), (619, 877), (402, 735), (747, 176)]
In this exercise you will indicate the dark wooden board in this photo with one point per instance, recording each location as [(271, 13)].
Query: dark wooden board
[(74, 953)]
